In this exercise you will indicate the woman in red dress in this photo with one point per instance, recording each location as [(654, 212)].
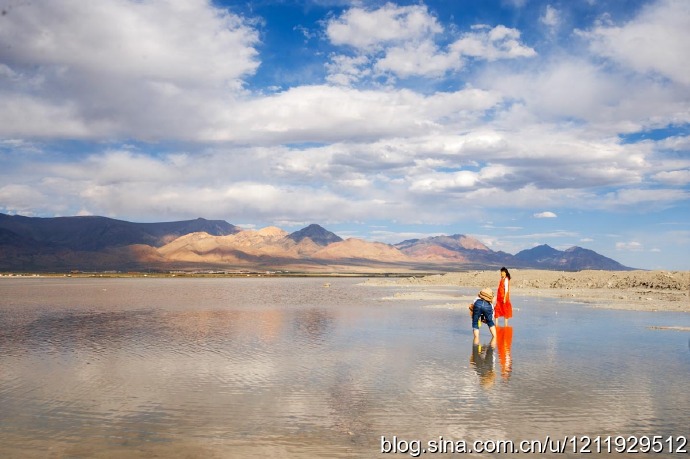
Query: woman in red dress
[(503, 306)]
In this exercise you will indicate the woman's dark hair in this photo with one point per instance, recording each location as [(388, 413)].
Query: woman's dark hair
[(505, 270)]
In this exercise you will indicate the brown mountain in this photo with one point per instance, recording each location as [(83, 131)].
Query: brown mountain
[(441, 248), (458, 248), (274, 245), (358, 249), (240, 248), (99, 244)]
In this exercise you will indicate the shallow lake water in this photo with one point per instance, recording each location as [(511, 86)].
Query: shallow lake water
[(297, 368)]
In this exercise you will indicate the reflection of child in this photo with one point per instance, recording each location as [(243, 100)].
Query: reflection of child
[(483, 362), (482, 308)]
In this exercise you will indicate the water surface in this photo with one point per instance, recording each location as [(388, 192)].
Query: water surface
[(294, 368)]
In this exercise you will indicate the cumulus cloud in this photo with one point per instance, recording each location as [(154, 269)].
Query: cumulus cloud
[(551, 17), (655, 41), (365, 29), (401, 42), (443, 183), (632, 246), (675, 143), (677, 178), (21, 199), (499, 42), (546, 214), (119, 67), (325, 113), (414, 59)]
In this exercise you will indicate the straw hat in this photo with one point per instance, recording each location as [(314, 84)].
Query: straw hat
[(487, 295)]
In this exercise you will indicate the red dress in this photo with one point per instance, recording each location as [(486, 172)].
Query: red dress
[(503, 308)]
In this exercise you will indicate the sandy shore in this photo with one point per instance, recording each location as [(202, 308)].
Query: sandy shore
[(631, 290)]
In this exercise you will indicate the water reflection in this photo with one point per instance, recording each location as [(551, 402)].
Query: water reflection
[(313, 325), (288, 368), (68, 331), (483, 361), (504, 341)]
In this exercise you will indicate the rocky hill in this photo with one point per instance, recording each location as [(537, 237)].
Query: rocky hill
[(572, 259), (317, 234), (457, 248), (97, 233)]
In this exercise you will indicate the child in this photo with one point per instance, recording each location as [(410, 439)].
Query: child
[(482, 308)]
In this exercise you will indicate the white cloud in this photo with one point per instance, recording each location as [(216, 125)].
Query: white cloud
[(21, 199), (187, 43), (328, 113), (632, 246), (602, 101), (113, 167), (675, 143), (656, 40), (347, 70), (551, 17), (498, 43), (417, 59), (546, 214), (443, 183), (674, 178), (390, 24), (401, 42), (119, 67)]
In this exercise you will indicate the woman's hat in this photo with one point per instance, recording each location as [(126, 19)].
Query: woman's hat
[(487, 295)]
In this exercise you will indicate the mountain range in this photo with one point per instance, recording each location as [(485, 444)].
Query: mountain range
[(103, 244)]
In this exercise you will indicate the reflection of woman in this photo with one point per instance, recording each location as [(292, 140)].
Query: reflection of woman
[(503, 306), (504, 340)]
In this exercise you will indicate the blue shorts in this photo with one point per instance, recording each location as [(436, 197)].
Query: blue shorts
[(482, 308)]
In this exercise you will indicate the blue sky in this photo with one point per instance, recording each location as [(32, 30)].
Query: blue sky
[(519, 122)]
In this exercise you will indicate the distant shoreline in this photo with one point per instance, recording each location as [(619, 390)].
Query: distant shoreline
[(627, 290), (137, 274)]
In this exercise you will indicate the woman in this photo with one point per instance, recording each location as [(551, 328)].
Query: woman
[(503, 306)]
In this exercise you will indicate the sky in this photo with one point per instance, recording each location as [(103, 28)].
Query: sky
[(518, 122)]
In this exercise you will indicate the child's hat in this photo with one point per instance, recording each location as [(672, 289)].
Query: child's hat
[(487, 295)]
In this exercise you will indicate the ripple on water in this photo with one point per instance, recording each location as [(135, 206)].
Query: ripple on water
[(288, 368)]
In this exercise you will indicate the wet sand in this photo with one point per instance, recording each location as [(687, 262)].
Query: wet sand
[(629, 290)]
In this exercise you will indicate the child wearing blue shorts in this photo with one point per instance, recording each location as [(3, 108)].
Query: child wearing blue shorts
[(482, 309)]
